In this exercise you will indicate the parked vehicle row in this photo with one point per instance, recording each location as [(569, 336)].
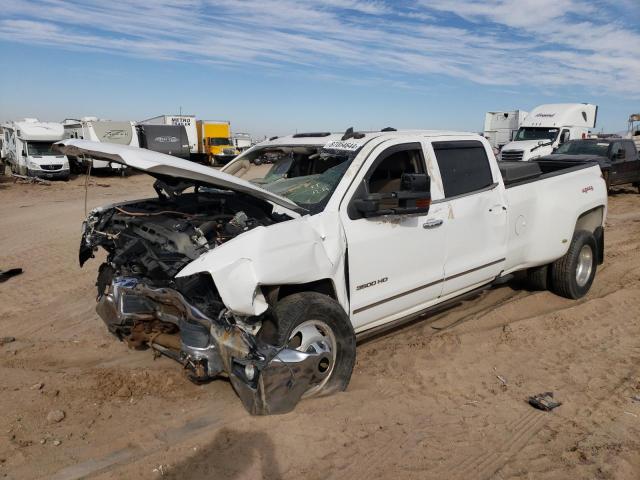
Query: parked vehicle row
[(268, 279), (210, 141), (182, 136)]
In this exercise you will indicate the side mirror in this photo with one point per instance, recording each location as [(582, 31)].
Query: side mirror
[(24, 153), (414, 197), (564, 137), (621, 153)]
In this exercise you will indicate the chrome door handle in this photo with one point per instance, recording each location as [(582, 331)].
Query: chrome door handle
[(433, 223)]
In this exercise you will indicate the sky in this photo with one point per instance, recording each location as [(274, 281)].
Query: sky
[(275, 67)]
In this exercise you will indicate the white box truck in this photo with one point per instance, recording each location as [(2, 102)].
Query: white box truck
[(26, 148), (548, 126), (187, 121), (106, 131), (501, 127)]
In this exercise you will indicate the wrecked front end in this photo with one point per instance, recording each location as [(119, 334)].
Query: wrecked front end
[(269, 379), (146, 304)]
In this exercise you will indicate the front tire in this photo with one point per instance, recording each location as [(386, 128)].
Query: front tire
[(309, 322), (573, 274)]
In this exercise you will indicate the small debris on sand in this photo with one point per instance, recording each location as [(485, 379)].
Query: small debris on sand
[(55, 416)]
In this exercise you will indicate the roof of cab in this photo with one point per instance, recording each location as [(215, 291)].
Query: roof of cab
[(320, 141)]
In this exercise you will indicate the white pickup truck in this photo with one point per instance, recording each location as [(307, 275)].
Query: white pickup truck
[(266, 273)]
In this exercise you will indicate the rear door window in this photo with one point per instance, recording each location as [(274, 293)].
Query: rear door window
[(464, 167), (615, 148), (631, 151)]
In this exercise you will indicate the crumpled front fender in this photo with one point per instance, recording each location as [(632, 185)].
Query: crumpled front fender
[(297, 251)]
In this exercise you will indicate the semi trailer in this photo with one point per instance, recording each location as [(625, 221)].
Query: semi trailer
[(500, 127), (186, 121), (169, 139)]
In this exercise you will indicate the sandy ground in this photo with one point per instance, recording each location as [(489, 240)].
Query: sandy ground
[(425, 401)]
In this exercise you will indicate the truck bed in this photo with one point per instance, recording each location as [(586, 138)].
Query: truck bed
[(519, 173)]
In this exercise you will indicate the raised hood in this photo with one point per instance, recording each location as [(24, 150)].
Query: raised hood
[(156, 164)]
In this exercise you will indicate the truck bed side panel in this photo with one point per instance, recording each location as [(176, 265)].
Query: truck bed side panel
[(542, 215)]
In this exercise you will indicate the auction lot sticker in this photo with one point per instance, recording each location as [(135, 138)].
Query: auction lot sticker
[(343, 145)]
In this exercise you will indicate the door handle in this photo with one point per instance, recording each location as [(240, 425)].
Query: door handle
[(433, 223)]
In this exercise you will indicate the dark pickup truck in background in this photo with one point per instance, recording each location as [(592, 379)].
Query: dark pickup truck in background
[(618, 158)]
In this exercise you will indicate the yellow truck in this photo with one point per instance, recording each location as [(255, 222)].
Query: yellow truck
[(214, 142)]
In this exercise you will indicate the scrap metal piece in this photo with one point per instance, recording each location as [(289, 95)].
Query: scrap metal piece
[(26, 179), (7, 274), (5, 340), (544, 401), (277, 387)]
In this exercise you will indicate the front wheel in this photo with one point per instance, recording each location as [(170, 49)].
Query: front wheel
[(312, 322), (573, 274)]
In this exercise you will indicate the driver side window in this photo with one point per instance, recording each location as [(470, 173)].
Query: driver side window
[(386, 174)]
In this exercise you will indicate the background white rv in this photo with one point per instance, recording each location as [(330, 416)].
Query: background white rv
[(500, 127), (26, 148), (98, 130), (187, 121), (548, 126), (242, 141)]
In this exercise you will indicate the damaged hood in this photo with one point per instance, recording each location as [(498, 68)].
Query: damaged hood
[(156, 164)]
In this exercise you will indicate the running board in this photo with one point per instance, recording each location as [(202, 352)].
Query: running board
[(379, 330)]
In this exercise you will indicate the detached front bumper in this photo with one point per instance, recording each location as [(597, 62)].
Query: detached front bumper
[(269, 379)]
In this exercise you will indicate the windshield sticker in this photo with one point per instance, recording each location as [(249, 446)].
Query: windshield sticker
[(342, 145)]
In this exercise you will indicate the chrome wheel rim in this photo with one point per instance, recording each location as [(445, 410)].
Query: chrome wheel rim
[(585, 265), (315, 336)]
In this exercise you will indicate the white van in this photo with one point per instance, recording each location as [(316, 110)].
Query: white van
[(547, 127), (26, 148)]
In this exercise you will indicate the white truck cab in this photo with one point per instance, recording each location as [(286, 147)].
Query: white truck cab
[(547, 127), (26, 148)]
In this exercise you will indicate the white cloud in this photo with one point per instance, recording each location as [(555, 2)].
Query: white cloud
[(542, 43)]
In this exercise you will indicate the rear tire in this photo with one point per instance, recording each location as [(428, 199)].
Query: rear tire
[(538, 278), (311, 310), (573, 274)]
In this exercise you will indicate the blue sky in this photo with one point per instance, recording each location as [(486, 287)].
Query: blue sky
[(274, 67)]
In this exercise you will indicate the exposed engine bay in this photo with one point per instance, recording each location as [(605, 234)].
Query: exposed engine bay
[(144, 304), (156, 238)]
